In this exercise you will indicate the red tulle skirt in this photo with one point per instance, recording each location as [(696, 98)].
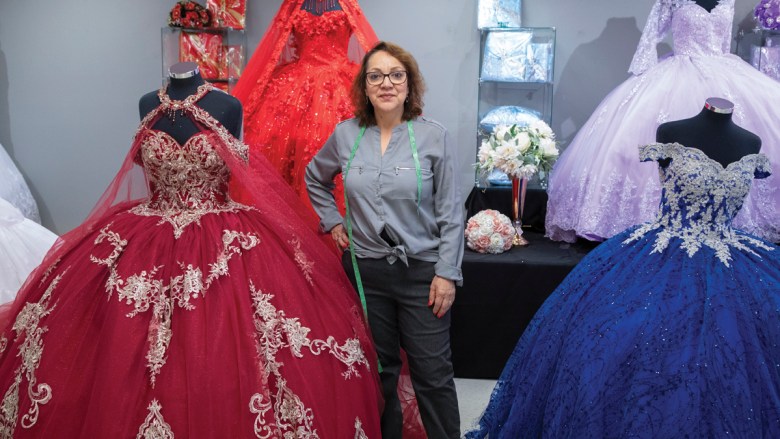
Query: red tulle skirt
[(299, 110), (216, 328)]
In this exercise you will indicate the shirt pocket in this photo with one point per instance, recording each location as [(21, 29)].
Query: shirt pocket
[(403, 182), (358, 181)]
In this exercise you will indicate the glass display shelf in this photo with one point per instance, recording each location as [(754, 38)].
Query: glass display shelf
[(517, 67), (761, 49), (219, 52)]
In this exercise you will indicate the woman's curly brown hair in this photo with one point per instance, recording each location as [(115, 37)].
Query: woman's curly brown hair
[(413, 105)]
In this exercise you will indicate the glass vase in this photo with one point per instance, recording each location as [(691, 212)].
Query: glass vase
[(518, 202)]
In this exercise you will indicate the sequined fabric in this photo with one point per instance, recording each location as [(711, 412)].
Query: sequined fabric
[(305, 98), (188, 314), (598, 188), (664, 331)]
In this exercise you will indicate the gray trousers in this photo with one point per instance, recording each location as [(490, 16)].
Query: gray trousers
[(399, 317)]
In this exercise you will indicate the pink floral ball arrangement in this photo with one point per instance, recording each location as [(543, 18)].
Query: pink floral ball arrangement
[(767, 13), (489, 231)]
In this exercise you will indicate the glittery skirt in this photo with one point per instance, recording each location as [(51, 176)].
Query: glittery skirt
[(636, 344), (299, 110), (598, 186), (197, 325)]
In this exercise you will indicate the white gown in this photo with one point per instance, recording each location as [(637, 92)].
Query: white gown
[(23, 244), (14, 189)]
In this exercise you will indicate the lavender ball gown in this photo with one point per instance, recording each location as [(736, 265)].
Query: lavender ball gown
[(598, 187)]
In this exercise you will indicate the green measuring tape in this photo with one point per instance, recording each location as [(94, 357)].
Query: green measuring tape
[(418, 170)]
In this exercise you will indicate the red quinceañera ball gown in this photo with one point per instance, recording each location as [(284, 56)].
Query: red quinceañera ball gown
[(296, 87), (176, 311)]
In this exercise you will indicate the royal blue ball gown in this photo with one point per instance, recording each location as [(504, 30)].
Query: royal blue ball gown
[(670, 329)]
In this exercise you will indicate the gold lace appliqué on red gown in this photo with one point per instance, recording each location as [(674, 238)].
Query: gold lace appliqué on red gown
[(28, 325), (187, 181), (154, 426), (145, 290), (275, 331)]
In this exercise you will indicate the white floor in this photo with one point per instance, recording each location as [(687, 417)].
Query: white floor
[(473, 396)]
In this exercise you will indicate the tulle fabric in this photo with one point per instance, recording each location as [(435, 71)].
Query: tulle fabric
[(14, 189), (598, 188), (92, 375), (666, 330), (23, 244), (296, 86), (647, 345)]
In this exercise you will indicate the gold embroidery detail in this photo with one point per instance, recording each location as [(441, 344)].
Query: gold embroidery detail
[(359, 433), (275, 331), (45, 275), (187, 181), (144, 291), (302, 260), (3, 343), (237, 147), (28, 322), (154, 426)]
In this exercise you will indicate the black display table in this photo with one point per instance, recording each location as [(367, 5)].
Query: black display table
[(500, 295), (500, 198)]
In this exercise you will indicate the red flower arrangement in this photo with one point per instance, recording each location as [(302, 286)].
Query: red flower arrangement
[(189, 14)]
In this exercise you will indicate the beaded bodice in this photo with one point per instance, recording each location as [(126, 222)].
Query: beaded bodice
[(181, 177), (697, 32), (321, 39), (700, 198), (189, 180)]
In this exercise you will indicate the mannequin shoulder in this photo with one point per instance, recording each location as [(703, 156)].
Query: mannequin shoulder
[(225, 108), (669, 132), (749, 140), (147, 103)]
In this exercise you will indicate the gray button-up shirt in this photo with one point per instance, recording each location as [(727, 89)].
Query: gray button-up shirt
[(382, 191)]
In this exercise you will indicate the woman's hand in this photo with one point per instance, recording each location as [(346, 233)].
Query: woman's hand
[(340, 237), (442, 295)]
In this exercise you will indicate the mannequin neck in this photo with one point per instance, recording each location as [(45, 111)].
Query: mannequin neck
[(709, 5), (715, 116), (184, 80), (319, 7), (180, 88)]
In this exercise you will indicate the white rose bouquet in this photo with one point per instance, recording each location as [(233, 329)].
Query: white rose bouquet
[(489, 232), (520, 152)]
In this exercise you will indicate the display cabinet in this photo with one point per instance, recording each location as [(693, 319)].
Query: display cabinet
[(498, 14), (515, 83), (219, 52), (761, 48)]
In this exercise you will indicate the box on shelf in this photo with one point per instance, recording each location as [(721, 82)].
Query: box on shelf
[(219, 52)]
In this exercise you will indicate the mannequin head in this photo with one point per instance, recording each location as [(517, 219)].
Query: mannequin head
[(719, 105), (183, 70)]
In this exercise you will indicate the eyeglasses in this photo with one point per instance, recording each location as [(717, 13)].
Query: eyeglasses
[(397, 77)]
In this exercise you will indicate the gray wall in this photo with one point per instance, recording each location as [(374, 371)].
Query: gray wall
[(71, 73)]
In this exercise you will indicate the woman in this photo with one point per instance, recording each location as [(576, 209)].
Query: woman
[(403, 229), (295, 88), (177, 311), (598, 188)]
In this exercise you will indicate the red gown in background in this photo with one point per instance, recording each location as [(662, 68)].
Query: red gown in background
[(296, 87), (176, 311)]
